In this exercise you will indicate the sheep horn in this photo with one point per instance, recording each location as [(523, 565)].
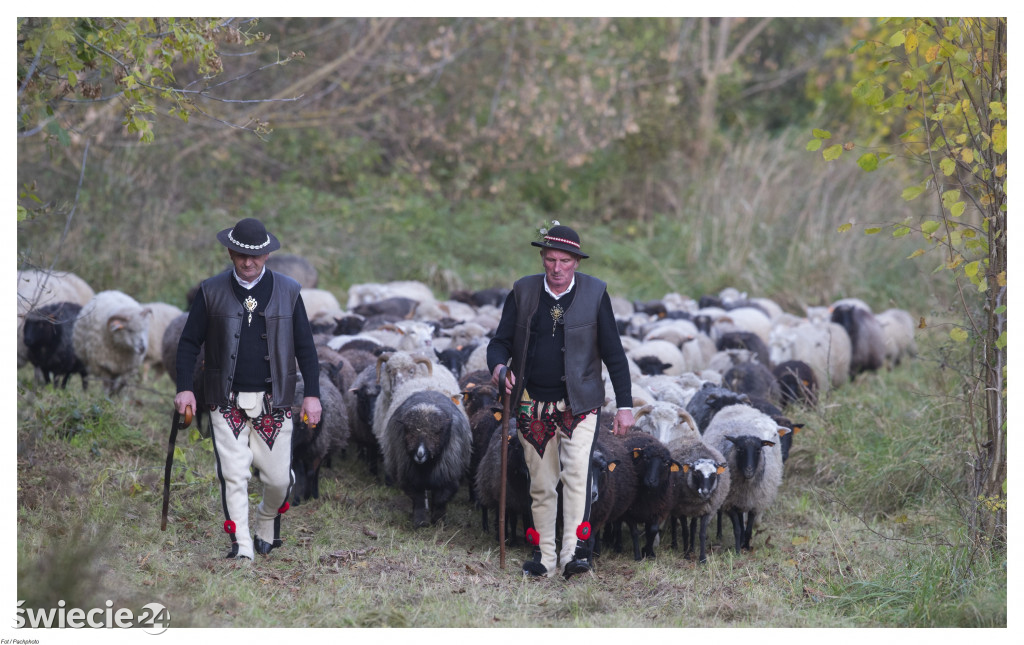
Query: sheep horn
[(383, 358), (425, 361), (647, 409)]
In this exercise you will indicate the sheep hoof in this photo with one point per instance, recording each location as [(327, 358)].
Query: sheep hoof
[(419, 518)]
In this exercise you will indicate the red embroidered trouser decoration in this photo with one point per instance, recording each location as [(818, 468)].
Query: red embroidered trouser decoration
[(560, 454), (237, 449)]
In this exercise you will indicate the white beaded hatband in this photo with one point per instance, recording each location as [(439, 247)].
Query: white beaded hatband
[(562, 240), (247, 246)]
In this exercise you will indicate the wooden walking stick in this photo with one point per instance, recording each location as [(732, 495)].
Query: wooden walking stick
[(176, 424), (505, 414)]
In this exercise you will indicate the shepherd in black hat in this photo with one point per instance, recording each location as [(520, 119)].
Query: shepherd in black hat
[(254, 326), (556, 329)]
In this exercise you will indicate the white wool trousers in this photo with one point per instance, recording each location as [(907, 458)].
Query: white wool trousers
[(565, 460), (249, 433)]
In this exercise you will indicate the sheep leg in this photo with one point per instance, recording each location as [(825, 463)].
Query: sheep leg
[(703, 535), (672, 523), (737, 527), (634, 533), (692, 536), (748, 529), (439, 500), (419, 509), (483, 518), (651, 533)]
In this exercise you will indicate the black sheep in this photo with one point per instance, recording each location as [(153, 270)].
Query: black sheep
[(753, 379), (866, 338), (745, 340), (710, 399), (796, 383), (613, 485), (653, 466), (47, 334)]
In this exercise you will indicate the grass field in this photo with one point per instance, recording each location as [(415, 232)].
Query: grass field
[(865, 532)]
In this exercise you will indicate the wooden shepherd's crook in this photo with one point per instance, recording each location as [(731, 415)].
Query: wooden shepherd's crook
[(505, 413)]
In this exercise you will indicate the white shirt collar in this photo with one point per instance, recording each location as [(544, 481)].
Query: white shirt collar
[(552, 293), (250, 285)]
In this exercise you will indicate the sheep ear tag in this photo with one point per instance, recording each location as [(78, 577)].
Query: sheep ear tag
[(674, 468), (497, 415), (456, 399), (720, 470), (686, 468), (636, 453), (612, 465)]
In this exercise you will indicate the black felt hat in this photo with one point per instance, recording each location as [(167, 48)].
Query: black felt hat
[(562, 238), (249, 237)]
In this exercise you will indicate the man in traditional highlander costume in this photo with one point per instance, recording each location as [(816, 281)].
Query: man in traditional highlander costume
[(557, 327), (255, 329)]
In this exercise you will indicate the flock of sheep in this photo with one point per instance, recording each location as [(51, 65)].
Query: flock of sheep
[(404, 383)]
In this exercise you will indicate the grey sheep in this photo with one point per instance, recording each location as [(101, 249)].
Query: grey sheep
[(111, 336), (487, 481), (752, 379), (296, 267), (426, 444), (749, 441), (47, 334), (898, 331), (423, 432), (312, 447), (698, 491), (866, 337)]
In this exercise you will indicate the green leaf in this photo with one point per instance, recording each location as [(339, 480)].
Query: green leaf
[(1001, 341), (930, 227), (913, 193), (868, 162), (971, 269), (948, 166), (958, 334), (813, 145), (845, 227), (832, 153), (821, 134), (872, 230)]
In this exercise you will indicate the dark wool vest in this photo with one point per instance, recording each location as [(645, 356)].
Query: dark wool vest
[(583, 381), (225, 316)]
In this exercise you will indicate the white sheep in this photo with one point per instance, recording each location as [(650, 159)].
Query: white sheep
[(665, 421), (825, 347), (374, 292), (658, 357), (750, 442), (898, 329), (111, 337), (163, 314), (318, 301), (748, 319), (38, 288)]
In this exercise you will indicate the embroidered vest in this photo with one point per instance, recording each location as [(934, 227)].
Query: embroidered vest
[(224, 323), (583, 380)]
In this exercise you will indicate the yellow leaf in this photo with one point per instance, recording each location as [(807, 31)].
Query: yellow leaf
[(915, 254), (1001, 278), (967, 154), (901, 518), (922, 324), (932, 53), (958, 334), (911, 43), (845, 227), (799, 540)]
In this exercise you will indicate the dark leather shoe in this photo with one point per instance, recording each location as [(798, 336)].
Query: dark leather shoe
[(535, 569), (262, 547), (578, 565)]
